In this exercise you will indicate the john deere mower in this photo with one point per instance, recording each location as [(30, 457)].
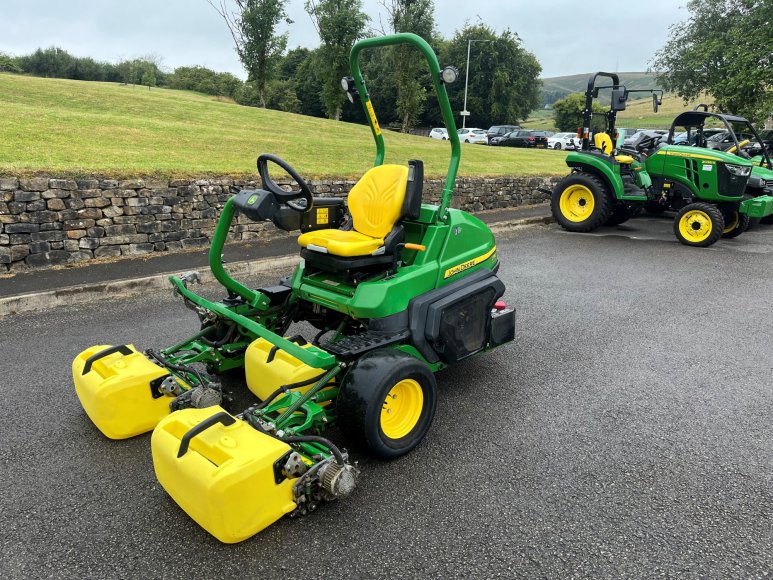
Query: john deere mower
[(608, 182), (395, 290)]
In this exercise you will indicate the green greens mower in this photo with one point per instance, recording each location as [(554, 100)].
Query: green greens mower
[(396, 290), (737, 136), (607, 184)]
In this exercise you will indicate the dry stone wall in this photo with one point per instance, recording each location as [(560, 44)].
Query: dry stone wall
[(48, 221)]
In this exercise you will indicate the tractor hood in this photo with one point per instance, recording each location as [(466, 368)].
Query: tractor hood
[(699, 153)]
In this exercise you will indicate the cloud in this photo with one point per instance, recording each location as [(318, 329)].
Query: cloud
[(567, 36)]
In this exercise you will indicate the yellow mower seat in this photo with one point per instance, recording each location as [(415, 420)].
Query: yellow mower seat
[(603, 142), (375, 203)]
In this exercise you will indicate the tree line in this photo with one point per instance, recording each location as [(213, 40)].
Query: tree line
[(503, 86)]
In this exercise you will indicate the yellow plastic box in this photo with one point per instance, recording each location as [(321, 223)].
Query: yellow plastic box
[(114, 390), (266, 372), (225, 475)]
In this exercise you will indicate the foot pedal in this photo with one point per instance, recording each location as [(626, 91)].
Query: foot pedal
[(359, 344)]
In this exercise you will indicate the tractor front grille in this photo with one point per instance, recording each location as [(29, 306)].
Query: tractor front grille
[(730, 185)]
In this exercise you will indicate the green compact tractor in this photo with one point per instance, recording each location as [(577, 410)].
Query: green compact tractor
[(394, 289), (608, 182), (731, 134)]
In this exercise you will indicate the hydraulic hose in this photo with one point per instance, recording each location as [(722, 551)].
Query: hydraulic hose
[(218, 343), (322, 441), (284, 389)]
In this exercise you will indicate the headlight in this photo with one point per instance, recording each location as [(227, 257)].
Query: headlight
[(742, 170)]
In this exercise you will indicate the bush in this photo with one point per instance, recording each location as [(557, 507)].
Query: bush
[(204, 80)]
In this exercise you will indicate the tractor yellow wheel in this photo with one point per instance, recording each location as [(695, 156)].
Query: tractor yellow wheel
[(695, 226), (386, 402), (736, 223), (732, 223), (580, 202), (699, 224), (577, 203), (401, 409)]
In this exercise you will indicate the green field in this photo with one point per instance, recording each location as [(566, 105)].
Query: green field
[(638, 114), (579, 83), (88, 128)]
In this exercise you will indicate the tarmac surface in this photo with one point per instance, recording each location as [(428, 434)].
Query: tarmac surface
[(627, 432)]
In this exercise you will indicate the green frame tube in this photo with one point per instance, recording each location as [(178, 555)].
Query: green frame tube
[(252, 297), (440, 89)]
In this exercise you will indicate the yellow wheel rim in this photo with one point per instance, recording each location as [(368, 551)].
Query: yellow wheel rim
[(577, 203), (732, 224), (401, 409), (695, 226)]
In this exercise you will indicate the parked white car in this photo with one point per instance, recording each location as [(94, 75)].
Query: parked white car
[(473, 136), (563, 141), (439, 133)]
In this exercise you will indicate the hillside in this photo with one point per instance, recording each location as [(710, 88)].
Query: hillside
[(555, 88), (76, 128), (638, 114)]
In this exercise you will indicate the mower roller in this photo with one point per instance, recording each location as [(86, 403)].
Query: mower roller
[(608, 183), (396, 290)]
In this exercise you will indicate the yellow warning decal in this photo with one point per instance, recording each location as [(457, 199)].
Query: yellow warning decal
[(469, 263), (690, 155), (322, 215), (373, 120)]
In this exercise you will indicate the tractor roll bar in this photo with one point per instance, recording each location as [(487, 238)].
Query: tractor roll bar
[(440, 89), (590, 94)]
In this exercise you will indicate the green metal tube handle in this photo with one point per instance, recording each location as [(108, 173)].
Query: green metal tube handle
[(440, 89), (253, 297)]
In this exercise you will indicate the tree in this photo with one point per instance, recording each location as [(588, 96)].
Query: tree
[(339, 24), (504, 84), (253, 27), (732, 62), (568, 113), (9, 64), (418, 17)]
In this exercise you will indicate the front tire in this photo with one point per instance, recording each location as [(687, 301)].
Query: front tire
[(557, 146), (699, 225), (580, 202), (735, 224), (387, 402)]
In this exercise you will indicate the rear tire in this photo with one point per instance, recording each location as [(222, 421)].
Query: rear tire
[(735, 224), (387, 402), (581, 202), (699, 225)]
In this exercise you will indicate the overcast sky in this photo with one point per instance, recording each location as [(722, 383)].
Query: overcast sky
[(567, 36)]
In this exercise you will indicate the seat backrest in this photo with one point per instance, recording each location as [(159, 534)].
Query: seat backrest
[(603, 142), (376, 200)]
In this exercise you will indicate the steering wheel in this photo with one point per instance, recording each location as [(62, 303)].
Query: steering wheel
[(286, 197)]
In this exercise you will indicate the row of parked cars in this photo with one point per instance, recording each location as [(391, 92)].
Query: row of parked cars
[(515, 136), (511, 136)]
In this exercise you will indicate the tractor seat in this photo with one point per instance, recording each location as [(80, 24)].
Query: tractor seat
[(377, 202), (603, 142)]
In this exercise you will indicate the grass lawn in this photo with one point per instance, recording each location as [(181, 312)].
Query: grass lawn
[(82, 128)]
